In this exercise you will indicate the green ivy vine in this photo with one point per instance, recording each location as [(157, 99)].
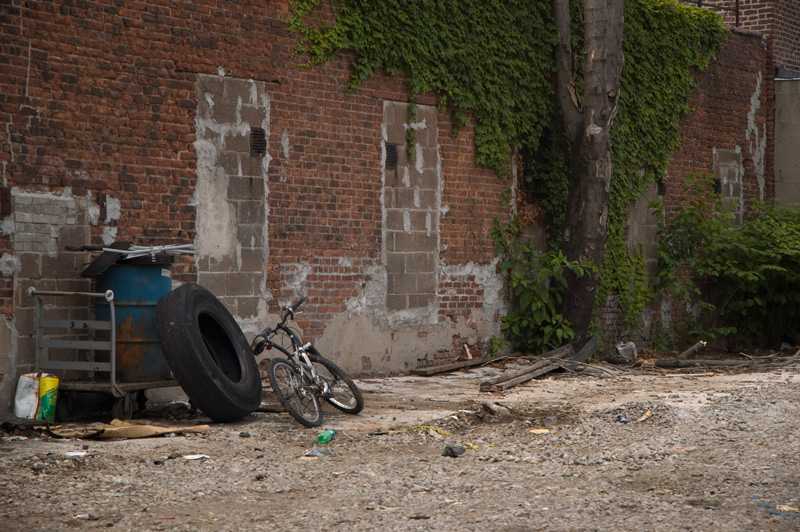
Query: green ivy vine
[(491, 61)]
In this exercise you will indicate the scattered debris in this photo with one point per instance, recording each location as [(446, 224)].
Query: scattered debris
[(434, 370), (566, 356), (453, 451), (320, 451), (626, 354), (122, 429), (692, 350), (424, 428)]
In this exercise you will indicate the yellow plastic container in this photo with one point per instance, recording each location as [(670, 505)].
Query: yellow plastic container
[(48, 394)]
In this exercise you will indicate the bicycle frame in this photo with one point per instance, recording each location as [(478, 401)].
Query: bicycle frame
[(297, 355)]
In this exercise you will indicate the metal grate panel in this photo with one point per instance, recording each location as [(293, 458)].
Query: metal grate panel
[(391, 156), (258, 142)]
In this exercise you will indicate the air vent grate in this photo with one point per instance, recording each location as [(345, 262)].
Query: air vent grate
[(662, 188), (391, 156), (258, 142)]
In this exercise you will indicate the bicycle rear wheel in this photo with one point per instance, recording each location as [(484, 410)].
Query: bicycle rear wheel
[(343, 392), (299, 400)]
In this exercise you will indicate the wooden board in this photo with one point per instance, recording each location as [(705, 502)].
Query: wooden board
[(433, 370), (566, 355)]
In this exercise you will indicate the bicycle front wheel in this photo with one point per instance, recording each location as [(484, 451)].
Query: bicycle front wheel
[(342, 391), (296, 396)]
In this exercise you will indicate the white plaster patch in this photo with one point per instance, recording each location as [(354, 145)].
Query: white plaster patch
[(419, 164), (428, 222), (416, 197), (285, 144), (406, 177), (93, 209), (109, 235), (216, 224), (485, 275), (113, 209), (406, 221), (9, 265)]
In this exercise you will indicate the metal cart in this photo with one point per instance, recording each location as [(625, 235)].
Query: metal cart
[(81, 335)]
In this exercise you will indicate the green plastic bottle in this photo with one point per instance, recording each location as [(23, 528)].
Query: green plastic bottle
[(326, 436)]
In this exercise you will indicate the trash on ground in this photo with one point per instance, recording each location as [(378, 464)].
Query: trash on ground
[(123, 429), (453, 451), (644, 416), (625, 354), (326, 436), (196, 457), (539, 431), (75, 454), (319, 451), (622, 419), (424, 428)]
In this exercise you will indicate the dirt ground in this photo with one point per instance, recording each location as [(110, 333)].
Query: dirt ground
[(700, 451)]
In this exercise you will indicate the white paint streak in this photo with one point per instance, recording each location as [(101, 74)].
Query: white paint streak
[(758, 143), (93, 208)]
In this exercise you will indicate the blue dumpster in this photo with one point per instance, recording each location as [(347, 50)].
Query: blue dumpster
[(137, 288)]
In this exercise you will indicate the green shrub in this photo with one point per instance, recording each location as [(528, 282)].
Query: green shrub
[(537, 281)]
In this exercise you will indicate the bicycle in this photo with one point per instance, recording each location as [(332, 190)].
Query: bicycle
[(305, 376)]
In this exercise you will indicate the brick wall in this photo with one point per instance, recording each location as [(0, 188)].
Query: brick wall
[(728, 136), (138, 115), (106, 107), (777, 20)]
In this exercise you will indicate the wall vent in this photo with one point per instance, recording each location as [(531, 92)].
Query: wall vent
[(258, 142), (391, 156), (661, 188)]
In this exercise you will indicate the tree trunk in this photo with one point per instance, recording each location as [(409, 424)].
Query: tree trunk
[(587, 121)]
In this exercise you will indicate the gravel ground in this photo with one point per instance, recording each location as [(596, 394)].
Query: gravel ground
[(704, 452)]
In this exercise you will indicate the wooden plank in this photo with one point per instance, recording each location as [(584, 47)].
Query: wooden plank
[(519, 379), (554, 359), (433, 370), (542, 362)]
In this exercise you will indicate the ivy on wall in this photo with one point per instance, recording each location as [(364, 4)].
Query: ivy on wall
[(493, 59)]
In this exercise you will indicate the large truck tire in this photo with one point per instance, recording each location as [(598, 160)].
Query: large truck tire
[(208, 353)]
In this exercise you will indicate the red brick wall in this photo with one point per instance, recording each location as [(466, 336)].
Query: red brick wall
[(786, 43), (722, 104), (725, 112), (777, 20), (13, 54), (105, 104)]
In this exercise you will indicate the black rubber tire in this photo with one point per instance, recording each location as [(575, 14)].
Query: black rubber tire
[(298, 398), (208, 353), (346, 395)]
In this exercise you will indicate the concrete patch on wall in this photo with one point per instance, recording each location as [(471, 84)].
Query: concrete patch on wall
[(729, 169), (38, 218), (411, 201), (787, 141), (232, 128), (40, 225)]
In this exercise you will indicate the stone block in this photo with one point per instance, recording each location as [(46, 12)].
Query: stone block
[(396, 262), (247, 306), (395, 303), (421, 300), (420, 262)]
